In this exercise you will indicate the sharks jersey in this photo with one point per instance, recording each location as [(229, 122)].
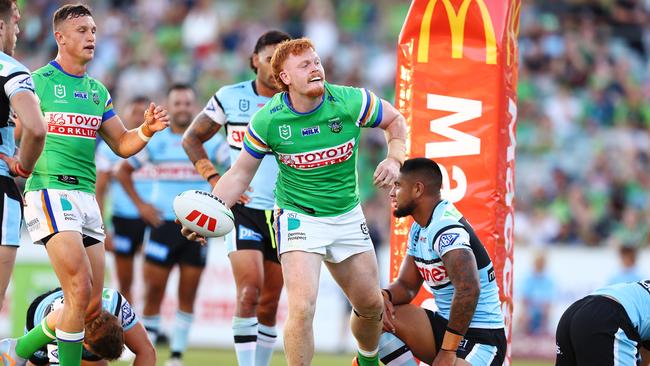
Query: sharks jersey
[(233, 106), (14, 78), (447, 230), (172, 171), (635, 298)]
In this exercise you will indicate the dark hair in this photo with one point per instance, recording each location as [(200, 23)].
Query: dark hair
[(139, 99), (179, 86), (269, 38), (104, 336), (426, 169), (6, 9), (70, 11)]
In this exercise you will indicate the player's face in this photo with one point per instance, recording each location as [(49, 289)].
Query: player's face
[(181, 107), (77, 37), (11, 31), (401, 197), (134, 115), (305, 74), (262, 61)]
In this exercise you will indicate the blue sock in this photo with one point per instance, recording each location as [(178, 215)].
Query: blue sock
[(181, 332), (394, 352), (152, 325), (244, 331), (266, 337)]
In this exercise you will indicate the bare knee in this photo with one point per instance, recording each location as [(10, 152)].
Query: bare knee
[(77, 294), (369, 307), (267, 311), (303, 311)]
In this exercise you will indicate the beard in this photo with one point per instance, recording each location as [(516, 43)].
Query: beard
[(405, 210), (315, 92)]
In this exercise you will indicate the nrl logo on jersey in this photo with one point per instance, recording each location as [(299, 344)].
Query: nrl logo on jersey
[(244, 105), (285, 131), (59, 91)]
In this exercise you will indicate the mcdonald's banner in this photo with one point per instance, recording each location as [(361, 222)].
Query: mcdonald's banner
[(456, 86)]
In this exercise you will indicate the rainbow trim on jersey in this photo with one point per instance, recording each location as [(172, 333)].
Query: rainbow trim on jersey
[(371, 110), (254, 144)]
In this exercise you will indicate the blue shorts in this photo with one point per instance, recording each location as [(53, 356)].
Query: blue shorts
[(11, 209)]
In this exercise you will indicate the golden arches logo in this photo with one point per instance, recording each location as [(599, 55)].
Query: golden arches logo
[(457, 26)]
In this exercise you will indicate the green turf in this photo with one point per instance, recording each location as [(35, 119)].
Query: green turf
[(222, 357)]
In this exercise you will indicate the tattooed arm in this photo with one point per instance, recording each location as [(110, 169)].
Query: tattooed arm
[(202, 129), (462, 271)]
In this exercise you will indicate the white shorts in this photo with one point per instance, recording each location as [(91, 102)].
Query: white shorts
[(336, 238), (50, 211)]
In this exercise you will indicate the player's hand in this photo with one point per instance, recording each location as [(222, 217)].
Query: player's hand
[(149, 214), (445, 358), (244, 199), (386, 173), (191, 235), (15, 168), (156, 118), (389, 314)]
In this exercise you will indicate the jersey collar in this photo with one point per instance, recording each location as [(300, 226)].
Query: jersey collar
[(285, 96), (58, 66)]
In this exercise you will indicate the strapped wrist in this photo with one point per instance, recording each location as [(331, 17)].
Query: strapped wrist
[(142, 135), (206, 169), (397, 150), (451, 341)]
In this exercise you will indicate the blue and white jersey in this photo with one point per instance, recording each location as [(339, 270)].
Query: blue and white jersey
[(233, 106), (14, 78), (112, 301), (121, 204), (447, 230), (635, 298), (172, 171)]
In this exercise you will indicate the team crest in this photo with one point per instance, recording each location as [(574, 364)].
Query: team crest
[(285, 131), (335, 125), (244, 105), (59, 91), (95, 97)]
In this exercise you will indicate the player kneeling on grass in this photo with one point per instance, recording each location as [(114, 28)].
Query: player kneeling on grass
[(106, 335), (609, 327), (444, 252)]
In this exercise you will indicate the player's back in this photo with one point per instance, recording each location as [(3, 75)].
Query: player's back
[(14, 77), (635, 298), (447, 230), (239, 103)]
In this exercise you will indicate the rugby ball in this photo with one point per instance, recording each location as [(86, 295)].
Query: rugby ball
[(203, 213)]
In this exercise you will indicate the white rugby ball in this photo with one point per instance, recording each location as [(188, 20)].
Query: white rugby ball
[(203, 213)]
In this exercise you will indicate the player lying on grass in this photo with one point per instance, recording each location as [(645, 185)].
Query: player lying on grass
[(106, 335)]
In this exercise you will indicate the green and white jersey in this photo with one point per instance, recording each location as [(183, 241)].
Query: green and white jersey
[(317, 150), (74, 108)]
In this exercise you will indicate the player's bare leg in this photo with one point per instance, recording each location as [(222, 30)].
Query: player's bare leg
[(7, 261), (155, 281), (270, 296), (301, 272), (124, 271), (96, 254), (412, 326), (365, 297), (73, 269)]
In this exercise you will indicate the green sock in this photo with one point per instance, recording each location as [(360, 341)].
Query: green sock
[(368, 361), (36, 338), (70, 347)]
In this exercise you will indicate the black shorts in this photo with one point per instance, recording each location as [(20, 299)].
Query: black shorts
[(590, 330), (11, 212), (167, 246), (128, 235), (481, 347), (254, 230)]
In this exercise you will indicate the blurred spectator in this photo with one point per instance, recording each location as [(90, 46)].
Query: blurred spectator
[(629, 271), (537, 294)]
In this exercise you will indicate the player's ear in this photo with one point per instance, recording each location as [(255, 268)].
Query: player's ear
[(418, 189), (284, 76)]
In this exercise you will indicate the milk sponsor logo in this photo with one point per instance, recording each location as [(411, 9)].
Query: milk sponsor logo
[(319, 158), (73, 124)]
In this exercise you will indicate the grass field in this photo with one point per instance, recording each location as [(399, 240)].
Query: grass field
[(221, 357)]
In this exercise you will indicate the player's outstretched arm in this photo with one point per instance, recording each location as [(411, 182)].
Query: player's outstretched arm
[(126, 143), (394, 124), (201, 130), (26, 107), (237, 179), (138, 342)]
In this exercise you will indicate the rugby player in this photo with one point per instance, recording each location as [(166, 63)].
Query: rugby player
[(444, 252), (128, 227), (251, 247), (166, 246), (116, 326), (18, 97), (609, 327), (313, 130), (61, 211)]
